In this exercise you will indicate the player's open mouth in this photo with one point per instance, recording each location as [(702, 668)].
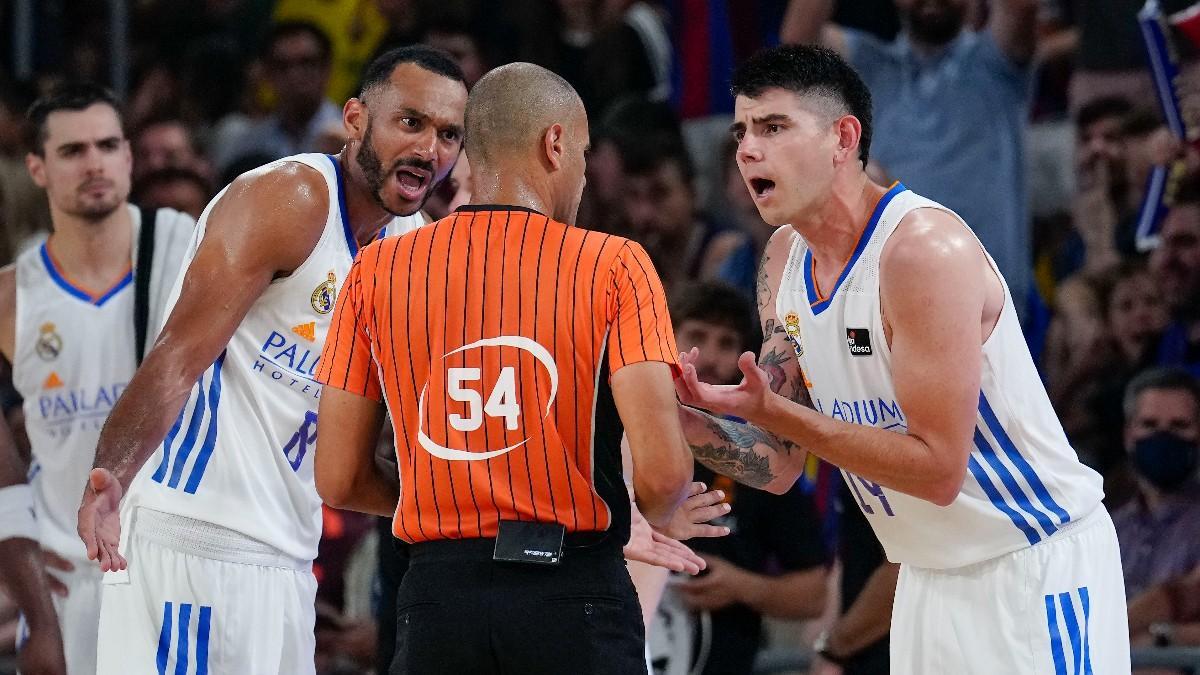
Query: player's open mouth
[(411, 183), (762, 187)]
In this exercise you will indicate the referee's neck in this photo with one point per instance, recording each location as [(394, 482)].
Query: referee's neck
[(511, 192)]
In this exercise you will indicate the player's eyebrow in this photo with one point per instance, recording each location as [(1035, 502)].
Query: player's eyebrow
[(736, 127), (770, 119)]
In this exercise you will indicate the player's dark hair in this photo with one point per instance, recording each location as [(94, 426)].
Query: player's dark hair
[(722, 305), (69, 96), (1162, 379), (286, 29), (434, 60), (808, 70), (1102, 109)]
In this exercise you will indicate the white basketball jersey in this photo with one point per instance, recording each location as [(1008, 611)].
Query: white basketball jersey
[(74, 354), (240, 453), (1024, 480)]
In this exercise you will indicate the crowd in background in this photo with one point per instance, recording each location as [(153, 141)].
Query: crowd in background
[(1045, 144)]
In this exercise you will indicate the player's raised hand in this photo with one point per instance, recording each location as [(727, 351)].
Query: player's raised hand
[(100, 521), (745, 399), (655, 548), (693, 516)]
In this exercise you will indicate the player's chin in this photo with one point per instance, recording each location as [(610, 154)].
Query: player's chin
[(404, 205)]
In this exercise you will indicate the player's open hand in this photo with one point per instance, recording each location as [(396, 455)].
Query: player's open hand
[(655, 548), (694, 515), (746, 399), (100, 520)]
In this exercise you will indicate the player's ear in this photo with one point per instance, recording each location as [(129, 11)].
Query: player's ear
[(849, 133), (36, 164), (554, 144), (354, 119)]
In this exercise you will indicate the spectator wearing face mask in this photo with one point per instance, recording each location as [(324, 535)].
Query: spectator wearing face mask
[(1159, 529)]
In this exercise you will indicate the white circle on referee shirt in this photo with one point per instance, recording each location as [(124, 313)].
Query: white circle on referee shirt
[(455, 455)]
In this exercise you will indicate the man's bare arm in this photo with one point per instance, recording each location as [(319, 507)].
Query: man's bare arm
[(869, 617), (265, 226), (744, 452), (808, 22), (347, 471), (1013, 24)]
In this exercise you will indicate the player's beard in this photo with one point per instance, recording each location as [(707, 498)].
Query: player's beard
[(375, 176)]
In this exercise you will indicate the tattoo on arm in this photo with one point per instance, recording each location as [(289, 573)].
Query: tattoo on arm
[(737, 458)]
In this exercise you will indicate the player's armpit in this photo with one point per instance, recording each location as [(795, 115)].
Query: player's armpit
[(347, 475)]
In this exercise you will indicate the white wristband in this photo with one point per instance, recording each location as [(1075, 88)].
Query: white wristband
[(16, 513)]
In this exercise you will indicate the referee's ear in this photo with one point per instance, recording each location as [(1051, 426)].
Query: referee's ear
[(554, 145)]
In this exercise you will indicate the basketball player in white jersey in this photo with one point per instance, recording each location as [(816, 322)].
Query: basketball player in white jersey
[(67, 324), (893, 352), (222, 525)]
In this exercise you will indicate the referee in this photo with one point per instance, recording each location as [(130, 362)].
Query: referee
[(512, 351)]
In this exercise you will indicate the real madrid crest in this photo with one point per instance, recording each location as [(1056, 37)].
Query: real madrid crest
[(791, 326), (49, 343), (323, 297)]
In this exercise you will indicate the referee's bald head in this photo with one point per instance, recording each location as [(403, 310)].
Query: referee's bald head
[(522, 115)]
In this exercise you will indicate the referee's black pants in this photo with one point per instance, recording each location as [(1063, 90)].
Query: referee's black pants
[(459, 612)]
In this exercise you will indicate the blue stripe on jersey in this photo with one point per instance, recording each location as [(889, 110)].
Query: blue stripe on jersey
[(121, 285), (1022, 464), (161, 472), (1068, 608), (210, 437), (181, 644), (998, 501), (1010, 483), (819, 305), (1087, 614), (202, 641), (351, 240), (189, 439), (79, 293), (1056, 645), (164, 640)]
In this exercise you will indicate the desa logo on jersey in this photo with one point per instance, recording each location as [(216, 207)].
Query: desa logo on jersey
[(291, 361), (67, 410)]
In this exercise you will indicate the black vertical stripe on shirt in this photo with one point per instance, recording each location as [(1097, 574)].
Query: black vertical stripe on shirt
[(520, 305), (566, 451), (576, 442), (537, 391), (512, 495), (483, 332), (463, 359), (637, 305), (608, 477), (445, 330), (398, 412), (595, 360), (429, 370), (654, 309), (412, 453)]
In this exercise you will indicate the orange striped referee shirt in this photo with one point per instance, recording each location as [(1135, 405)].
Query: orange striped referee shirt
[(491, 334)]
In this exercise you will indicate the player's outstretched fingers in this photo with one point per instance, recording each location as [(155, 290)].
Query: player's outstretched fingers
[(692, 562), (87, 532)]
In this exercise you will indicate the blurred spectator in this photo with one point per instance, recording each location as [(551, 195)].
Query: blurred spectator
[(1159, 529), (166, 143), (456, 39), (660, 204), (773, 562), (1110, 57), (345, 642), (24, 211), (631, 53), (355, 29), (298, 67), (1176, 266), (173, 187), (950, 108)]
